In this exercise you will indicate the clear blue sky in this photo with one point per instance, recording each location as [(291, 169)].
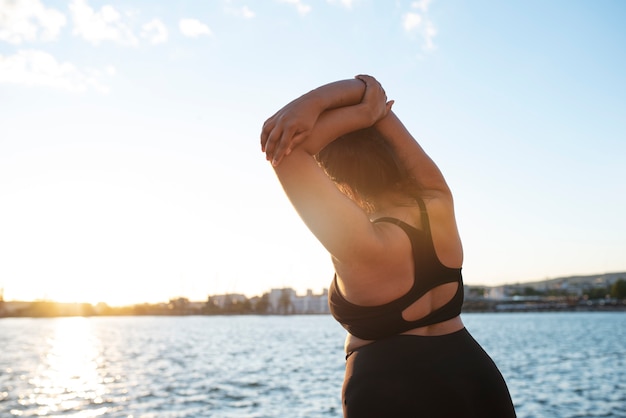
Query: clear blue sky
[(130, 168)]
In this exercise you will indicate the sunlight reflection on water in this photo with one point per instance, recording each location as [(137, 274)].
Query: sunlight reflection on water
[(171, 367), (67, 376)]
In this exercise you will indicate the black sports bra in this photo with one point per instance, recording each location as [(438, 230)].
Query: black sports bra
[(376, 322)]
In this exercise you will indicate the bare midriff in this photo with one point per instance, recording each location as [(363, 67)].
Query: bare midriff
[(442, 328)]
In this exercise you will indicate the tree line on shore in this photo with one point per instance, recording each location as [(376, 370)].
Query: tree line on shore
[(611, 297)]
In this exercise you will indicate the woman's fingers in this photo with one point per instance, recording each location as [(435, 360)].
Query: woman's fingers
[(367, 79), (281, 148), (375, 97), (371, 82), (277, 143), (280, 135), (288, 137), (268, 127), (269, 139), (287, 143)]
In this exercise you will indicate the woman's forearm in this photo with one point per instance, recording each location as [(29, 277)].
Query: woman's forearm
[(347, 116), (334, 123), (337, 94), (292, 124), (316, 118)]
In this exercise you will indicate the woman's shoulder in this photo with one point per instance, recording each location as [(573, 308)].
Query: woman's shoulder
[(444, 229)]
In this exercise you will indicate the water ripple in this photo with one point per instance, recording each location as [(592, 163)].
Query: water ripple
[(556, 365)]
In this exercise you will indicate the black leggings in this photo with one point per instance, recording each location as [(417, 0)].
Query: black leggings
[(447, 376)]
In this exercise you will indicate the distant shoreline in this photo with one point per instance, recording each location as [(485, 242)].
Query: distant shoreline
[(596, 293), (64, 310)]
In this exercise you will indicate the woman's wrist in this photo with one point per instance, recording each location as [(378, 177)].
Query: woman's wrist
[(338, 94), (369, 116)]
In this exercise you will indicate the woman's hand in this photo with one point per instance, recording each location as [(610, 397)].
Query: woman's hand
[(289, 127), (375, 98), (294, 123)]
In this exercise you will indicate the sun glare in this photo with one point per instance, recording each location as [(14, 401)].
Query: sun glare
[(67, 378)]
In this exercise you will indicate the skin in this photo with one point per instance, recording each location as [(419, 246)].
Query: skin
[(373, 261)]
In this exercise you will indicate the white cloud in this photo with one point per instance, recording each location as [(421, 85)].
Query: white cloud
[(302, 8), (155, 31), (193, 28), (38, 68), (243, 11), (345, 3), (429, 34), (246, 12), (104, 25), (411, 21), (29, 20), (417, 23), (421, 5)]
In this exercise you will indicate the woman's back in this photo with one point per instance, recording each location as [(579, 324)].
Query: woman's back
[(411, 289)]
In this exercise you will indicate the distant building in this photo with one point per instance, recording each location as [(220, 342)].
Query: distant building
[(285, 301), (223, 301), (281, 301), (497, 293), (311, 303)]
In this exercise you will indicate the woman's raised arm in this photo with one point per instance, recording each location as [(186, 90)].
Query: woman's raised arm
[(295, 122), (338, 222)]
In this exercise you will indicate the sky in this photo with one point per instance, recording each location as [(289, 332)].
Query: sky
[(130, 164)]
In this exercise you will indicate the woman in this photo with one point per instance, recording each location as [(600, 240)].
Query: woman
[(384, 212)]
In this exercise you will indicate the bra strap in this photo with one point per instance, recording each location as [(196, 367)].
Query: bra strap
[(424, 214)]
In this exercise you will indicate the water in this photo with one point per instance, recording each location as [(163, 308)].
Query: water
[(557, 365)]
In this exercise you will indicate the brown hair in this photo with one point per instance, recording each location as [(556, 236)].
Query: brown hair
[(364, 165)]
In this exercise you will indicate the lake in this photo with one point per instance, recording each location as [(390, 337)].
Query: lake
[(557, 365)]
